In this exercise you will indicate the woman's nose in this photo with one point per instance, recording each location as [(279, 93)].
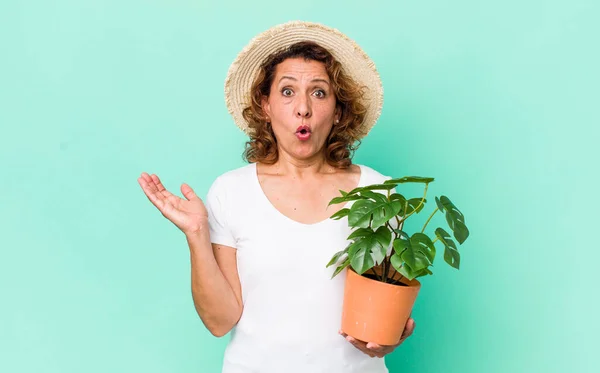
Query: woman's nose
[(303, 108)]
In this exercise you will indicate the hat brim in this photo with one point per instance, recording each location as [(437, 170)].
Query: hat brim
[(355, 62)]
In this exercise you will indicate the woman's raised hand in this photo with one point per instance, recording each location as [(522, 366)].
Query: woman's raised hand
[(188, 214)]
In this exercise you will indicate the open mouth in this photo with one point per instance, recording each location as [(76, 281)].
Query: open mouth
[(303, 133), (303, 130)]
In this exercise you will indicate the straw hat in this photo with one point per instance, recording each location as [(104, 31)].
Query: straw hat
[(354, 60)]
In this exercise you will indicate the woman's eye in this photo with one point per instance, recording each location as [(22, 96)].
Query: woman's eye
[(320, 93), (286, 92)]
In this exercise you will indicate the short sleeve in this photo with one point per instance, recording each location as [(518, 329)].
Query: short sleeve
[(218, 212)]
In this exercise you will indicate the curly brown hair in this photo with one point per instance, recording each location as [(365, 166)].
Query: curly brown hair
[(344, 137)]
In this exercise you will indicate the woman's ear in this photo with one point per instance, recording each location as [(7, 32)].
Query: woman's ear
[(338, 114)]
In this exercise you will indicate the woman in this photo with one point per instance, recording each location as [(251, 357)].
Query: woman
[(260, 244)]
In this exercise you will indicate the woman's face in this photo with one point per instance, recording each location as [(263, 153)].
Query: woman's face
[(301, 107)]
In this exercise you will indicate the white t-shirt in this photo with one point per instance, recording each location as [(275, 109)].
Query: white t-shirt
[(292, 308)]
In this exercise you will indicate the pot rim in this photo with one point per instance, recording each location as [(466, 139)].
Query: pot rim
[(414, 283)]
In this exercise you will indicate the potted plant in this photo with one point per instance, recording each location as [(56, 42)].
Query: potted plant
[(384, 261)]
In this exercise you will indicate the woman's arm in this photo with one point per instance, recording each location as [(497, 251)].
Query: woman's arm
[(216, 288)]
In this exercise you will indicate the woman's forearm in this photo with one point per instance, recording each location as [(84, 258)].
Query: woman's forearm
[(214, 299)]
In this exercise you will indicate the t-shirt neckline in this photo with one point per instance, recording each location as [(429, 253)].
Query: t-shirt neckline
[(270, 206)]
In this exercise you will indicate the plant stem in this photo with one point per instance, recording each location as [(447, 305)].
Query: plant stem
[(384, 273), (400, 224), (431, 216), (395, 271), (375, 273), (434, 241), (420, 203)]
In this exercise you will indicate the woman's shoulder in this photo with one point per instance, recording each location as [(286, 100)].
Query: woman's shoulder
[(236, 174), (371, 175), (232, 178)]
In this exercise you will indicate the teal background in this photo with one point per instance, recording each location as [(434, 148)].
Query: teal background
[(496, 100)]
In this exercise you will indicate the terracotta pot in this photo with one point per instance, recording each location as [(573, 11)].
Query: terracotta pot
[(374, 311)]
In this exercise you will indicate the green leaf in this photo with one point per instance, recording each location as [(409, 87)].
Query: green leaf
[(355, 247), (344, 194), (424, 244), (417, 251), (341, 267), (439, 204), (415, 203), (379, 187), (336, 257), (377, 197), (449, 206), (374, 242), (407, 272), (396, 207), (355, 191), (415, 258), (402, 234), (460, 231), (455, 220), (451, 255), (362, 261), (409, 253), (410, 179), (361, 233), (383, 236), (397, 196), (396, 261), (401, 244), (340, 214), (424, 272), (363, 210), (400, 200), (346, 198)]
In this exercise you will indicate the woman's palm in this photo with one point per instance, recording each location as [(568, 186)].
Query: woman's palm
[(187, 214)]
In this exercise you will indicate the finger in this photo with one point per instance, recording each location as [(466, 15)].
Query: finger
[(188, 192), (157, 182), (149, 183), (153, 185), (145, 186), (145, 176), (149, 188), (160, 187), (152, 196), (156, 198), (375, 347), (353, 340), (409, 328), (360, 345)]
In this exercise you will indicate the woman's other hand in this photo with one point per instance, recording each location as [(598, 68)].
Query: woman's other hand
[(375, 350), (189, 214)]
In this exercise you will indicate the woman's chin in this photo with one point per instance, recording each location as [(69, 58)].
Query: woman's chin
[(306, 152)]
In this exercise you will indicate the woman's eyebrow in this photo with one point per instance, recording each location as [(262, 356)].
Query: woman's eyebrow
[(288, 77), (321, 80)]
